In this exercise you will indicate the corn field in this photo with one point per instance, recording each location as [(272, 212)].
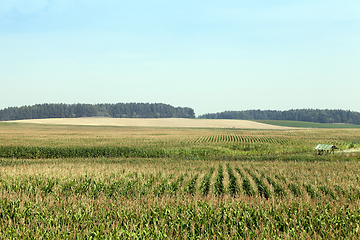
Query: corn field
[(159, 199), (67, 182), (240, 139)]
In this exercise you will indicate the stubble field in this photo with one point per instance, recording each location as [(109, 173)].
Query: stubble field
[(155, 122), (212, 184)]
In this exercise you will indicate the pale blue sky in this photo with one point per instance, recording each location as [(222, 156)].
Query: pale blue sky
[(208, 55)]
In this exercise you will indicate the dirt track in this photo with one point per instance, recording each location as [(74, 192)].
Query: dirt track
[(156, 122)]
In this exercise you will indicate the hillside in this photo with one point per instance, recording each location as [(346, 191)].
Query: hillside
[(156, 122), (118, 110), (306, 115)]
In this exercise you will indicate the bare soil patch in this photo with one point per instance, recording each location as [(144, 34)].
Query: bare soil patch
[(157, 122)]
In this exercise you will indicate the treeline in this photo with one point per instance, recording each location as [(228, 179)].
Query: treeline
[(118, 110), (307, 115)]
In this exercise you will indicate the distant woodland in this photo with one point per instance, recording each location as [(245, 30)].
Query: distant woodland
[(118, 110), (307, 115), (161, 110)]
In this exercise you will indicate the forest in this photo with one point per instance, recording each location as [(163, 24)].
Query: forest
[(307, 115), (161, 110), (118, 110)]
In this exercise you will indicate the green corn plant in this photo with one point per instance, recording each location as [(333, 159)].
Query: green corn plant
[(205, 183), (47, 188), (219, 185), (112, 189), (175, 185), (262, 188), (160, 189), (281, 178), (340, 191), (353, 194), (311, 192), (130, 188), (96, 188), (191, 185), (279, 191), (233, 185), (327, 191), (295, 190), (246, 185)]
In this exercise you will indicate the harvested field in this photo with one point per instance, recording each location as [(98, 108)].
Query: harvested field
[(157, 122)]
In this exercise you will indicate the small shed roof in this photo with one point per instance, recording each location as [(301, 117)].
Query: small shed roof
[(324, 147)]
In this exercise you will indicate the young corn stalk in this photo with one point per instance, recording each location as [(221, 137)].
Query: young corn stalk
[(233, 185), (246, 185), (191, 185), (219, 185), (205, 183), (262, 188)]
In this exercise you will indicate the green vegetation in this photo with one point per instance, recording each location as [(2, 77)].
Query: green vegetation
[(278, 189), (300, 124), (219, 185), (205, 184), (246, 183), (41, 141), (73, 152), (233, 185), (118, 110), (160, 110), (306, 115), (262, 188), (147, 198), (79, 182)]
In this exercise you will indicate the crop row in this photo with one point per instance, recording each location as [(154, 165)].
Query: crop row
[(179, 200), (242, 181), (232, 138), (23, 152), (99, 219)]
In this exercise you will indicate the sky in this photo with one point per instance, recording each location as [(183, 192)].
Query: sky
[(209, 55)]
